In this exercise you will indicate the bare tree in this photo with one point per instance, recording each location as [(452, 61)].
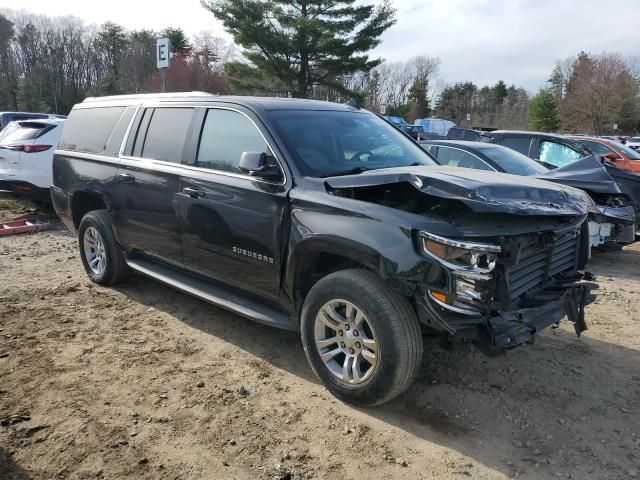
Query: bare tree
[(601, 93)]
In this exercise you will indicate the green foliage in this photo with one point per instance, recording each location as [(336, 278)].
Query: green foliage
[(543, 112), (499, 91), (177, 38), (307, 42), (456, 101), (30, 98), (418, 94)]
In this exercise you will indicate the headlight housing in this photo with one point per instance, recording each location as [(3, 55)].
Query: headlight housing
[(471, 257), (470, 264)]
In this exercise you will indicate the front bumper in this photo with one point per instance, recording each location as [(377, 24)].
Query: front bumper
[(511, 329)]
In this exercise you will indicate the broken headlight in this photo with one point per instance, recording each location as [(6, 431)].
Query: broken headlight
[(470, 264), (458, 255)]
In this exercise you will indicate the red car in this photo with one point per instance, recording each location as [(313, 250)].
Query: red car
[(617, 153)]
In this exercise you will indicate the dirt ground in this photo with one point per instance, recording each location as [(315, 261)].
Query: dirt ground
[(142, 381)]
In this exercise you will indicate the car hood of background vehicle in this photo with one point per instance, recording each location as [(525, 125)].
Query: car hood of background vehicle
[(481, 191), (587, 173)]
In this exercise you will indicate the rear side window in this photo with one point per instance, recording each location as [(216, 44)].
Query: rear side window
[(225, 135), (166, 134), (24, 131), (519, 144), (88, 129)]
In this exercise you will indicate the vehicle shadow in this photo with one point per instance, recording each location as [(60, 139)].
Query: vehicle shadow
[(555, 407), (9, 470)]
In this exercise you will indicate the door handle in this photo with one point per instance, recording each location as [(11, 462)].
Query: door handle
[(127, 178), (193, 192)]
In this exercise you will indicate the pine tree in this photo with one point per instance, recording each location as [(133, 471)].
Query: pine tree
[(543, 112), (303, 43)]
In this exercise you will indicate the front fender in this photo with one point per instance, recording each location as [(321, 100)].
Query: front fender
[(387, 249)]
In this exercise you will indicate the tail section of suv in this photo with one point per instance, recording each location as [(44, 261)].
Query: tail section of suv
[(322, 219), (26, 155)]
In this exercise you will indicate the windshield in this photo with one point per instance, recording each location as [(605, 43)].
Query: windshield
[(626, 151), (330, 143), (513, 162)]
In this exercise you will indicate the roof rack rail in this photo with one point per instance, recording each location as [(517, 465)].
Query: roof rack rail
[(148, 95)]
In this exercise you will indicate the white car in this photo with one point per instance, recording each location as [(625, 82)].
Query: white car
[(634, 142), (26, 155)]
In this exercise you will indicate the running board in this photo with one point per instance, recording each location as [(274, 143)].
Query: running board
[(213, 294)]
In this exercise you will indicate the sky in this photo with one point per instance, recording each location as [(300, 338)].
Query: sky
[(483, 41)]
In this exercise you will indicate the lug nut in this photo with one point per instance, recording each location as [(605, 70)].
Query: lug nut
[(358, 345), (355, 333), (342, 344), (340, 332), (347, 327), (351, 351)]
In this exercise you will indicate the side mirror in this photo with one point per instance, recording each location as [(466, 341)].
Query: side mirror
[(610, 156), (256, 164)]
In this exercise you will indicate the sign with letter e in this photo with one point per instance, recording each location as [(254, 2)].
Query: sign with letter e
[(163, 49)]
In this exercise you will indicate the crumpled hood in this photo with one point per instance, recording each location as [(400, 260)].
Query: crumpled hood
[(482, 191), (587, 173)]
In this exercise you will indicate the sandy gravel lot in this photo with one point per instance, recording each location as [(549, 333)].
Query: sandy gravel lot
[(141, 381)]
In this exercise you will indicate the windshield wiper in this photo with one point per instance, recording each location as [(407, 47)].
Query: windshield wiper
[(353, 171)]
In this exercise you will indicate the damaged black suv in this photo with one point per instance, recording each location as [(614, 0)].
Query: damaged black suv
[(323, 219)]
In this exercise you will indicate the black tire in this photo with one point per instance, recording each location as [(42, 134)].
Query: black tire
[(116, 269), (397, 330)]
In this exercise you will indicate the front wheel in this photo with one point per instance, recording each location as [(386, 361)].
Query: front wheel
[(362, 339)]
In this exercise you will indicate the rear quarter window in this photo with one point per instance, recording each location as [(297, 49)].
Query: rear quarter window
[(88, 129)]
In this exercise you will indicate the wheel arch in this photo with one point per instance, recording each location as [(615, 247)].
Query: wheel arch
[(314, 258), (85, 201)]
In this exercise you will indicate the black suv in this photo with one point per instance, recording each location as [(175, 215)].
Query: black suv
[(323, 219)]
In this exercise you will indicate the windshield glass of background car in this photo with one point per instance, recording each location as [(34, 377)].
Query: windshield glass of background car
[(595, 147), (514, 162), (557, 154), (630, 153), (331, 143)]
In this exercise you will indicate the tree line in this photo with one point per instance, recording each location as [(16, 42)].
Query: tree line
[(317, 49), (47, 64), (586, 93)]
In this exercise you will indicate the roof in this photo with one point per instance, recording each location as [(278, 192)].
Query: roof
[(263, 103), (463, 143), (591, 139), (524, 132)]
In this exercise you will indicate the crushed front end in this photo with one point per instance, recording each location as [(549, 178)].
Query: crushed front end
[(502, 290)]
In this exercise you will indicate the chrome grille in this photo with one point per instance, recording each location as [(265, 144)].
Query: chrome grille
[(536, 264)]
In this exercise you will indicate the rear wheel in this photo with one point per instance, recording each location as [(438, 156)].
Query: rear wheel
[(362, 339), (101, 255)]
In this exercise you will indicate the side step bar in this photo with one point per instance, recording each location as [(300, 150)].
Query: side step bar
[(214, 294)]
